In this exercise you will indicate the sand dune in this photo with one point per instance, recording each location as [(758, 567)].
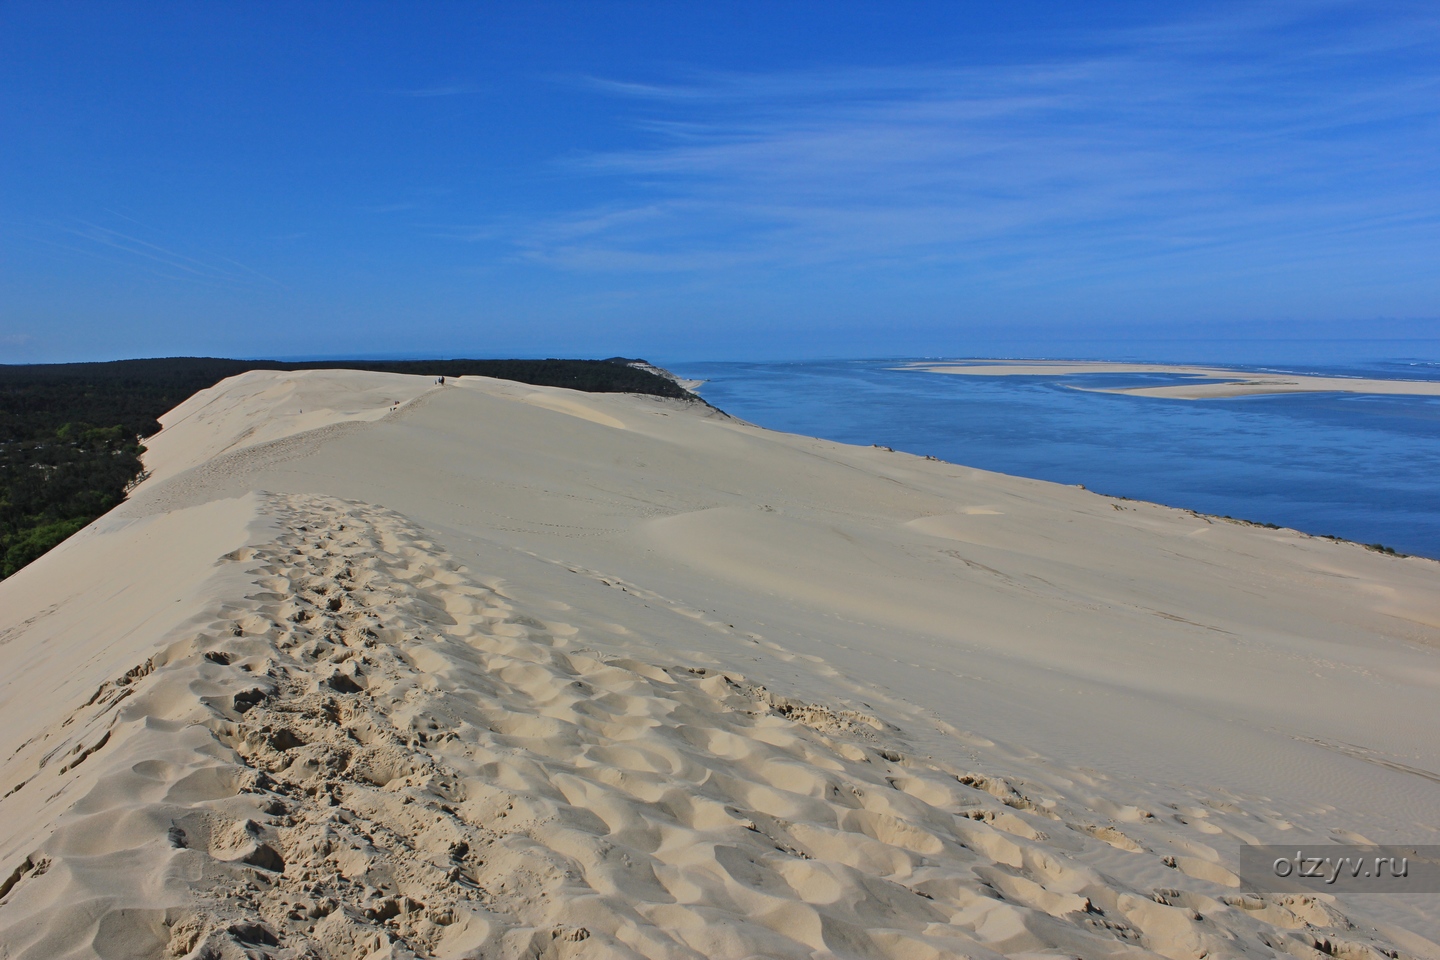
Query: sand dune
[(504, 671)]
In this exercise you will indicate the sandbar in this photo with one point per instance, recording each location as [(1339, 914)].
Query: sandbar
[(1209, 382)]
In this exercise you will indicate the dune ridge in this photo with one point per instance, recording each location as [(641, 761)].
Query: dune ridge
[(366, 736)]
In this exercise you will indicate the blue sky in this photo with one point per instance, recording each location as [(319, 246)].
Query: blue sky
[(713, 181)]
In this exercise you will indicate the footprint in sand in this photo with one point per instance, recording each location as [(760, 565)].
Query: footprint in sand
[(375, 750)]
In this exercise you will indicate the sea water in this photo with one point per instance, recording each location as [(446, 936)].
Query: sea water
[(1359, 466)]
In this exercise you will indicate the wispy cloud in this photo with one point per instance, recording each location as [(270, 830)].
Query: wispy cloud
[(1283, 134), (126, 249)]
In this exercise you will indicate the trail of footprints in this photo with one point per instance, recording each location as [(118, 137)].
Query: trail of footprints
[(375, 755)]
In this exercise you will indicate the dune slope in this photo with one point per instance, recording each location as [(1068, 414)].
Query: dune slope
[(504, 671)]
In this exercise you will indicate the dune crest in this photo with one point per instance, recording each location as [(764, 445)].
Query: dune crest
[(531, 728), (259, 407)]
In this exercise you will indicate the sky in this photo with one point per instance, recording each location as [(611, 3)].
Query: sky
[(768, 180)]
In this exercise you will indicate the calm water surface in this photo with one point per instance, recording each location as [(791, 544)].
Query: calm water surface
[(1362, 467)]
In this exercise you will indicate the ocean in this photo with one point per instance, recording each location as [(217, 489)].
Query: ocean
[(1357, 466)]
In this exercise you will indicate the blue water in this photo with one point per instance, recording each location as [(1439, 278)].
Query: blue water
[(1361, 467)]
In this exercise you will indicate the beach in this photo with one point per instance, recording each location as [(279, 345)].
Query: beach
[(371, 666)]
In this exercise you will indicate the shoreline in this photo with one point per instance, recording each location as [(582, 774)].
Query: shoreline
[(1371, 526)]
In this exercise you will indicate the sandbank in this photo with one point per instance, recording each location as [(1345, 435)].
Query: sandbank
[(1210, 382)]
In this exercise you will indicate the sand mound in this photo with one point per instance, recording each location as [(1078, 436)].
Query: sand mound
[(364, 745)]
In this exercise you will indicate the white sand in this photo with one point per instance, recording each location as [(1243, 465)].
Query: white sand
[(520, 672), (1209, 382)]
